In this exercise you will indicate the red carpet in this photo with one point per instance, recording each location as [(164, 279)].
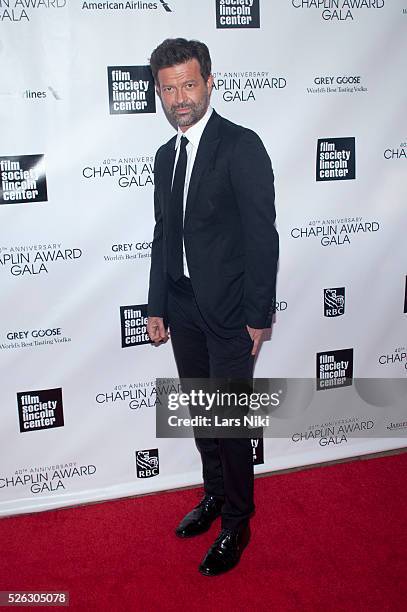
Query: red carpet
[(330, 538)]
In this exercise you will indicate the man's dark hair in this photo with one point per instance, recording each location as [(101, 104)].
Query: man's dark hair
[(173, 51)]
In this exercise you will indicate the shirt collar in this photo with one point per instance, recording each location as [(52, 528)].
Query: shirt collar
[(194, 133)]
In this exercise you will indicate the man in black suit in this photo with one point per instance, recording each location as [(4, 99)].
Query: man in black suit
[(213, 272)]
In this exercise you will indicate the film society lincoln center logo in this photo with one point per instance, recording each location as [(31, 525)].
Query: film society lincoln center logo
[(40, 409), (131, 90), (334, 369), (133, 321), (336, 159), (22, 179), (147, 463), (258, 450), (237, 14)]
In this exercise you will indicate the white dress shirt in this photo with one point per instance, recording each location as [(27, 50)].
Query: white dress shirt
[(193, 134)]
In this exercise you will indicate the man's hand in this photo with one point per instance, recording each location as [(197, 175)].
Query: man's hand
[(255, 335), (156, 330)]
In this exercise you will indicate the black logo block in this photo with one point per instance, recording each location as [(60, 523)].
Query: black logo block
[(133, 321), (334, 369), (336, 159), (131, 90), (334, 302), (22, 179), (40, 409), (241, 14), (405, 297), (147, 463), (258, 450)]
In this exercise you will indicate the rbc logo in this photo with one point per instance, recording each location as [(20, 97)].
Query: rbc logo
[(147, 463), (334, 302)]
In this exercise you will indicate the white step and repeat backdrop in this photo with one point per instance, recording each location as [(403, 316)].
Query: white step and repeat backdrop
[(323, 83)]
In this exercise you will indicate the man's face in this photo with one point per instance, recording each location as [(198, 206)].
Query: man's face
[(184, 94)]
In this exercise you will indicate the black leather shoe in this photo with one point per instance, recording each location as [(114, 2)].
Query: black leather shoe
[(226, 551), (200, 518)]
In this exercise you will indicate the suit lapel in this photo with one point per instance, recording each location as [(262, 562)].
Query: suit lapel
[(205, 157)]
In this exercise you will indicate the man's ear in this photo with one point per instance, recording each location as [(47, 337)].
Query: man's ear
[(157, 91)]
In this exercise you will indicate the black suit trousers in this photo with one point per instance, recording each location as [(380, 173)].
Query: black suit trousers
[(227, 463)]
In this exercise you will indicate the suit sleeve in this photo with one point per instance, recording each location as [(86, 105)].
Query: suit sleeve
[(253, 184), (157, 294)]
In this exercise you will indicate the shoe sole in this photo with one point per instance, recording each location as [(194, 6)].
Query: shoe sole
[(229, 569), (193, 535)]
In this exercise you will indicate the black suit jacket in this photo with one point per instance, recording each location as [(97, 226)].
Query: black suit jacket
[(230, 240)]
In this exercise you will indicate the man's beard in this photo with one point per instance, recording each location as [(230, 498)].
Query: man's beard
[(197, 111)]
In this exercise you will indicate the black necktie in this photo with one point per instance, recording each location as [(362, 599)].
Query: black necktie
[(176, 215)]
